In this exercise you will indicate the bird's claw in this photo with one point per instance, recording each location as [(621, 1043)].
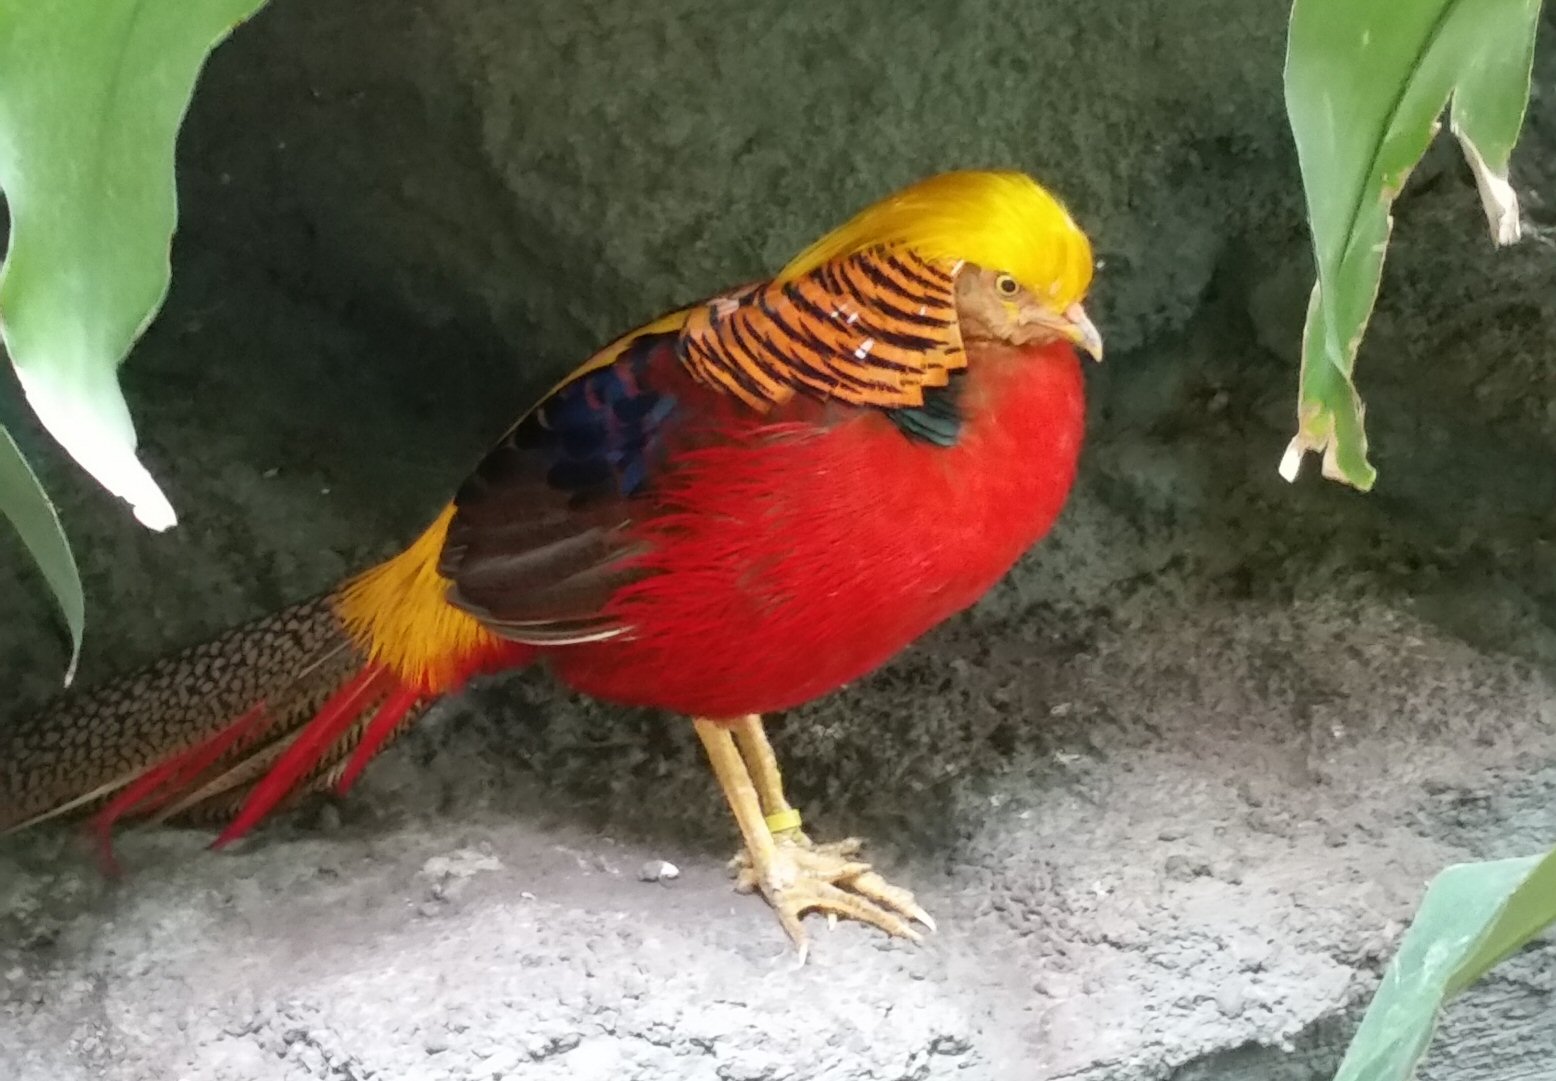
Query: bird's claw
[(806, 877)]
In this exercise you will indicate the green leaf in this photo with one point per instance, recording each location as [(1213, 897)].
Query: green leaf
[(1529, 911), (24, 502), (1473, 915), (1366, 81), (92, 93)]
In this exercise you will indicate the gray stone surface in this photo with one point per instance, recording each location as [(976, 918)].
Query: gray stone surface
[(1172, 790)]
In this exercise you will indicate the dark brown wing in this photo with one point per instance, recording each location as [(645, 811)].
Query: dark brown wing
[(536, 545)]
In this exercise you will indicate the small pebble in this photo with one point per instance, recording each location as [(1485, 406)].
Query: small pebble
[(329, 818), (1230, 1000), (1181, 868), (658, 871)]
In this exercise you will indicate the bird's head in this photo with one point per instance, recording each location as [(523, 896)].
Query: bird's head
[(1023, 264)]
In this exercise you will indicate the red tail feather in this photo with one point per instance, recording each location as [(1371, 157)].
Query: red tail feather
[(379, 729), (161, 783), (339, 713)]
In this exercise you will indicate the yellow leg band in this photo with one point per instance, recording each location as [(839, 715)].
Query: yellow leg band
[(783, 821)]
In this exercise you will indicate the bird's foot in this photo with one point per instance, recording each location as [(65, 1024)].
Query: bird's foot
[(828, 878)]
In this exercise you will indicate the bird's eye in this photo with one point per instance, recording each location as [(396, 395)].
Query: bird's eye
[(1006, 285)]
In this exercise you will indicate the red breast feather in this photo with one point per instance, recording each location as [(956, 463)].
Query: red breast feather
[(794, 558)]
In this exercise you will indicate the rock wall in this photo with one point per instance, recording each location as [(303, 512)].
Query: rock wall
[(1172, 790)]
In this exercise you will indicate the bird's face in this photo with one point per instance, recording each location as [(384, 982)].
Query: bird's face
[(993, 306), (1024, 264)]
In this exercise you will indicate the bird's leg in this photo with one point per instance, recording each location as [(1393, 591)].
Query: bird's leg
[(782, 819), (795, 875), (784, 822)]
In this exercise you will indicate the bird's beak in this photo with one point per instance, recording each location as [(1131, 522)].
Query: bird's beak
[(1080, 330)]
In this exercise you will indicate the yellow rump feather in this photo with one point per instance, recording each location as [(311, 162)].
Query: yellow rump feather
[(398, 614)]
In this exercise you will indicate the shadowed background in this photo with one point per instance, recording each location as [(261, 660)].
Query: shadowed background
[(1172, 789)]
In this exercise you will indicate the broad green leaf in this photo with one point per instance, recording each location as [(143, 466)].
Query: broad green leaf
[(1366, 81), (24, 502), (1529, 911), (1473, 915), (92, 93)]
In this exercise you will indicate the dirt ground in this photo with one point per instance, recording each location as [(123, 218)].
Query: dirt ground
[(1172, 791)]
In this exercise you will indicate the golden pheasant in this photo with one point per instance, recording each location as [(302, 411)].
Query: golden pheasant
[(732, 510)]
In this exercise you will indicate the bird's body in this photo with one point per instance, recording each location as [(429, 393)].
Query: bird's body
[(733, 510), (816, 552), (785, 555)]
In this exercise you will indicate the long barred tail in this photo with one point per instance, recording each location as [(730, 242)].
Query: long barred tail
[(226, 730)]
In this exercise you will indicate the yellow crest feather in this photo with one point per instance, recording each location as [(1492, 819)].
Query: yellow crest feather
[(1001, 221)]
